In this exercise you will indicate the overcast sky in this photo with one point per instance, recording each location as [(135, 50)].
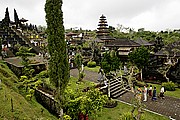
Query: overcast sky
[(154, 15)]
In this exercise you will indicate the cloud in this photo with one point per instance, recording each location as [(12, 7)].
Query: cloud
[(161, 16)]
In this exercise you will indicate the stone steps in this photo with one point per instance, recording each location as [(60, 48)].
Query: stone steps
[(118, 88)]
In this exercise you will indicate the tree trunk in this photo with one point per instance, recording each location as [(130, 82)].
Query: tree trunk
[(130, 78), (61, 114), (12, 108), (141, 74), (166, 78), (109, 94)]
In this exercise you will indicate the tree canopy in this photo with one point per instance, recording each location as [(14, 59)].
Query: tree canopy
[(140, 57), (110, 62)]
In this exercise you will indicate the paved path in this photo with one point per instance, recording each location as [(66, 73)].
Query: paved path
[(168, 107)]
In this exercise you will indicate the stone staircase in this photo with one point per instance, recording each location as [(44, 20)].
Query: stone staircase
[(118, 87), (9, 53), (27, 41)]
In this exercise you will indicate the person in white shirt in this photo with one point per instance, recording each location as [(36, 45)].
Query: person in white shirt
[(145, 93), (162, 92)]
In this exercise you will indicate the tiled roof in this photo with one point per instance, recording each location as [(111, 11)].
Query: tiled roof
[(106, 37), (122, 43), (143, 42), (72, 34), (170, 49), (97, 39), (23, 20)]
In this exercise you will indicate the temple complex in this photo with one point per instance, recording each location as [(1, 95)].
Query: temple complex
[(14, 34), (18, 32)]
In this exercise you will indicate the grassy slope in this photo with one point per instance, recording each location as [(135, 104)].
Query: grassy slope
[(23, 109)]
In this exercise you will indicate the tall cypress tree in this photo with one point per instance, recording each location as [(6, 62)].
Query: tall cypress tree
[(16, 18), (0, 46), (58, 64), (6, 19)]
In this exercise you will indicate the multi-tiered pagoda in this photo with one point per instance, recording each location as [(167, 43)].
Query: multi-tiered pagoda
[(103, 31)]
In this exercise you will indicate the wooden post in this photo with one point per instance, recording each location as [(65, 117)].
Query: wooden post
[(11, 104), (4, 94)]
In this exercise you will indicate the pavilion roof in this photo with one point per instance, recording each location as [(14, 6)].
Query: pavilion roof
[(72, 34), (97, 39), (170, 50), (103, 30), (102, 24), (122, 43), (143, 42), (16, 61), (23, 20), (102, 16), (106, 37), (163, 53)]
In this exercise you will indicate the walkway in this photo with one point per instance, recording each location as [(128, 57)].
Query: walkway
[(169, 106)]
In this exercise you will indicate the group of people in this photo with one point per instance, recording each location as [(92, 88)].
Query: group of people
[(151, 92)]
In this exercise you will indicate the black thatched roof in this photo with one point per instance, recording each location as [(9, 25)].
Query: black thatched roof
[(72, 34), (23, 20), (123, 43), (170, 49), (143, 42), (16, 61), (105, 37), (97, 39)]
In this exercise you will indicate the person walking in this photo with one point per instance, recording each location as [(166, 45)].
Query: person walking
[(139, 94), (162, 92), (150, 90), (145, 93), (154, 98), (101, 75)]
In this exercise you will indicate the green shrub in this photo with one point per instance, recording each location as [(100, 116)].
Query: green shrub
[(140, 84), (169, 86), (91, 64), (67, 117), (128, 116), (110, 103), (82, 75), (43, 74)]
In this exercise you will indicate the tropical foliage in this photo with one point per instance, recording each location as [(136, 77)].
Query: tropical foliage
[(83, 103), (24, 53), (140, 57), (169, 86), (110, 62), (168, 36), (80, 66)]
